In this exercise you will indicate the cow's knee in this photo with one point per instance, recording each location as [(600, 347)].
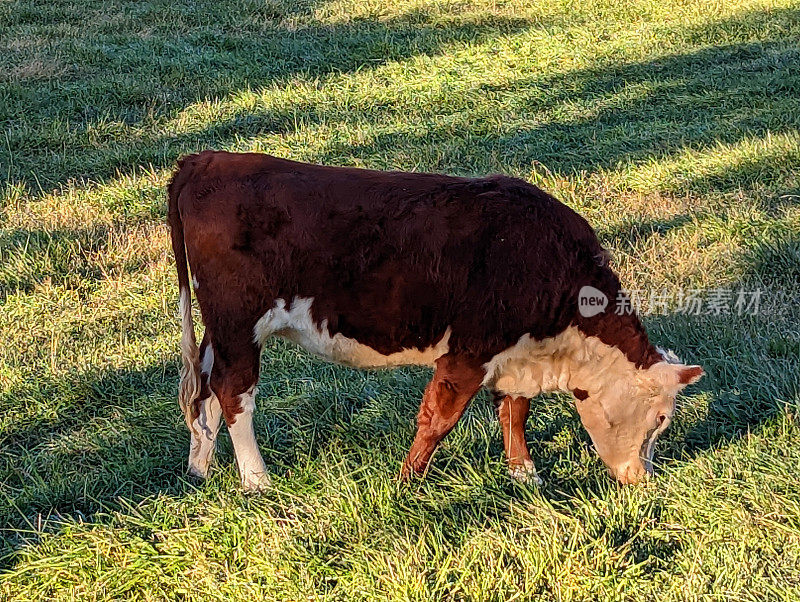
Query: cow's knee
[(455, 381)]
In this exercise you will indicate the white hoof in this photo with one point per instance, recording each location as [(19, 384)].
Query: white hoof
[(255, 481), (525, 473), (198, 470), (200, 457)]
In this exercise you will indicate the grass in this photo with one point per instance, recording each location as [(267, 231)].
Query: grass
[(672, 125)]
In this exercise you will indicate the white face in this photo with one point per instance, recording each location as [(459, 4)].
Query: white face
[(625, 417), (623, 408)]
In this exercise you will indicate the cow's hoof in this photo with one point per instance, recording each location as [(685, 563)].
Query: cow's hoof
[(198, 471), (408, 473), (525, 473), (256, 482)]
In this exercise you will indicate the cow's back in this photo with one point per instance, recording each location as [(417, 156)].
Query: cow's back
[(391, 260)]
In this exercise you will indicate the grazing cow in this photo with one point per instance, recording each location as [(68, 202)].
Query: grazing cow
[(479, 278)]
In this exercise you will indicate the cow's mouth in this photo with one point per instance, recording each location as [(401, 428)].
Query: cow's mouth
[(648, 449)]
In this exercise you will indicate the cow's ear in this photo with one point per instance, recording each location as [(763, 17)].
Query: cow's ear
[(688, 375), (675, 377)]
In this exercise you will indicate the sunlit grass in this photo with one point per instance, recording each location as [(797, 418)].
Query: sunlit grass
[(671, 125)]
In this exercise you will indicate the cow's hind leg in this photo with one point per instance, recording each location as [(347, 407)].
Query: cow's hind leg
[(513, 414), (233, 380), (455, 382), (207, 414)]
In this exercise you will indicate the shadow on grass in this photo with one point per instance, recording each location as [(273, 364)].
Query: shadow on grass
[(631, 113), (101, 438), (580, 120), (115, 436), (149, 73), (608, 115), (118, 438), (27, 257), (82, 444), (631, 232)]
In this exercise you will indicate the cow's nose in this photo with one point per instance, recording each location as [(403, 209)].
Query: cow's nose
[(629, 474)]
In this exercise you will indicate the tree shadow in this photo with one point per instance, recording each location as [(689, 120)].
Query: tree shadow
[(114, 435), (752, 360), (78, 444), (302, 420), (587, 119), (629, 232), (148, 69), (598, 118)]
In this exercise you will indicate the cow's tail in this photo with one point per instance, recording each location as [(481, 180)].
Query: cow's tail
[(190, 385)]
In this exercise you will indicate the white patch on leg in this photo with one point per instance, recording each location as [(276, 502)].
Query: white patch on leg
[(204, 442), (252, 469), (297, 325), (525, 473), (195, 283), (207, 361)]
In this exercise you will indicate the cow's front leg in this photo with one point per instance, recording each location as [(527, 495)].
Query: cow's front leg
[(204, 435), (455, 382), (513, 414)]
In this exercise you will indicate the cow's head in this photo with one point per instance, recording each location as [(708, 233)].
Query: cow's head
[(626, 413)]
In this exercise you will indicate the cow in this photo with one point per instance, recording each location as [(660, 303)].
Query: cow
[(479, 278)]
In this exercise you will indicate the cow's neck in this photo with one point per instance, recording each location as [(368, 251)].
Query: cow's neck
[(624, 331), (566, 362)]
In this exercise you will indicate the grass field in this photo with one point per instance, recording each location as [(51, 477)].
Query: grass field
[(672, 125)]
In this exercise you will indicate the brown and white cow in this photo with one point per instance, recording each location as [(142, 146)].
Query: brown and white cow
[(476, 277)]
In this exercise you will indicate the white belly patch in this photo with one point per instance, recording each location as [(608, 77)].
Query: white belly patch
[(296, 324)]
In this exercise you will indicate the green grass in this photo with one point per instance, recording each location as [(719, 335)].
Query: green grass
[(672, 125)]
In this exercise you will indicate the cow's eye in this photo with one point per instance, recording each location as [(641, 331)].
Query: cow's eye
[(661, 419)]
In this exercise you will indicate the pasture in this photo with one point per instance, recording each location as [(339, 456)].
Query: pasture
[(673, 126)]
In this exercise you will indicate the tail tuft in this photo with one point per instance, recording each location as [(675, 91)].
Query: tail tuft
[(191, 383)]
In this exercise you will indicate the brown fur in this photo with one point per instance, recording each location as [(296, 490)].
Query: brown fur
[(513, 414), (580, 394), (391, 259), (455, 382)]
